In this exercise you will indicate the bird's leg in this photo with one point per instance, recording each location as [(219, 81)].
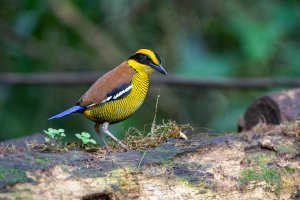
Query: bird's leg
[(96, 126), (105, 130)]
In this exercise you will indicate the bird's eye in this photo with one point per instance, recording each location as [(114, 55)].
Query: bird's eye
[(148, 58)]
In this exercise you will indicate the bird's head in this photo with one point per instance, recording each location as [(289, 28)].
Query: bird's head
[(146, 61)]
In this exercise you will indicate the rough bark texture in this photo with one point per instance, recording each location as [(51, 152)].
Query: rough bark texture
[(273, 108), (226, 167)]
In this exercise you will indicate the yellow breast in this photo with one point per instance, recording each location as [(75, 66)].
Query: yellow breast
[(120, 109)]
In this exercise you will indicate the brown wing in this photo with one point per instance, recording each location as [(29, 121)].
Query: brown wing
[(120, 75)]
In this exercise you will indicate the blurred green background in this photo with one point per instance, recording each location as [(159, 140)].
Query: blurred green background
[(196, 39)]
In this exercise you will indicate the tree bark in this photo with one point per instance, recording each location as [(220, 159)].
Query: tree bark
[(225, 167)]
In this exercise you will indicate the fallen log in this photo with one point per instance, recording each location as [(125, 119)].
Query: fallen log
[(273, 108), (225, 167)]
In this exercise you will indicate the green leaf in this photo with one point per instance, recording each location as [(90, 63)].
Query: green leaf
[(78, 136), (93, 141), (85, 141), (85, 134), (61, 130)]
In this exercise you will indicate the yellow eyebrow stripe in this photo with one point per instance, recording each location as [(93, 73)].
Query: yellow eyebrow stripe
[(150, 53)]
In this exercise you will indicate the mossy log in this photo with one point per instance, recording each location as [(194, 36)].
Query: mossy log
[(273, 108), (225, 167)]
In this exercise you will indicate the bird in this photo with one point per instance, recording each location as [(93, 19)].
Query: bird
[(119, 93)]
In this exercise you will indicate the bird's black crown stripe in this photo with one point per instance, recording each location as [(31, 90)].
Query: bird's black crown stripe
[(144, 59)]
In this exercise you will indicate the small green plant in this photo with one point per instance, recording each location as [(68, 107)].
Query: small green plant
[(85, 138), (56, 134)]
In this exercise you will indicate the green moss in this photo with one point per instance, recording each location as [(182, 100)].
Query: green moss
[(289, 170), (9, 176), (262, 172), (41, 160), (269, 175), (286, 149), (262, 158), (22, 197), (248, 175)]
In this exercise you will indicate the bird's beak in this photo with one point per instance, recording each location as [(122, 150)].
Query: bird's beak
[(159, 68)]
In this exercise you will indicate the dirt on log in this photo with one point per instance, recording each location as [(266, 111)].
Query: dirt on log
[(273, 108), (225, 167)]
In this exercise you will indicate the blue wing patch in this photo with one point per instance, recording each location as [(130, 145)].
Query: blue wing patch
[(118, 93)]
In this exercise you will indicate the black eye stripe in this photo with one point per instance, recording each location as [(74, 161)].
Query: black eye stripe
[(141, 58), (144, 58)]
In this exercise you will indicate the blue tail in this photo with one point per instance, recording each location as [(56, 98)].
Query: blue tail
[(74, 109)]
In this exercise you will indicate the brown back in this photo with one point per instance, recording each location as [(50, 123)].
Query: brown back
[(120, 75)]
